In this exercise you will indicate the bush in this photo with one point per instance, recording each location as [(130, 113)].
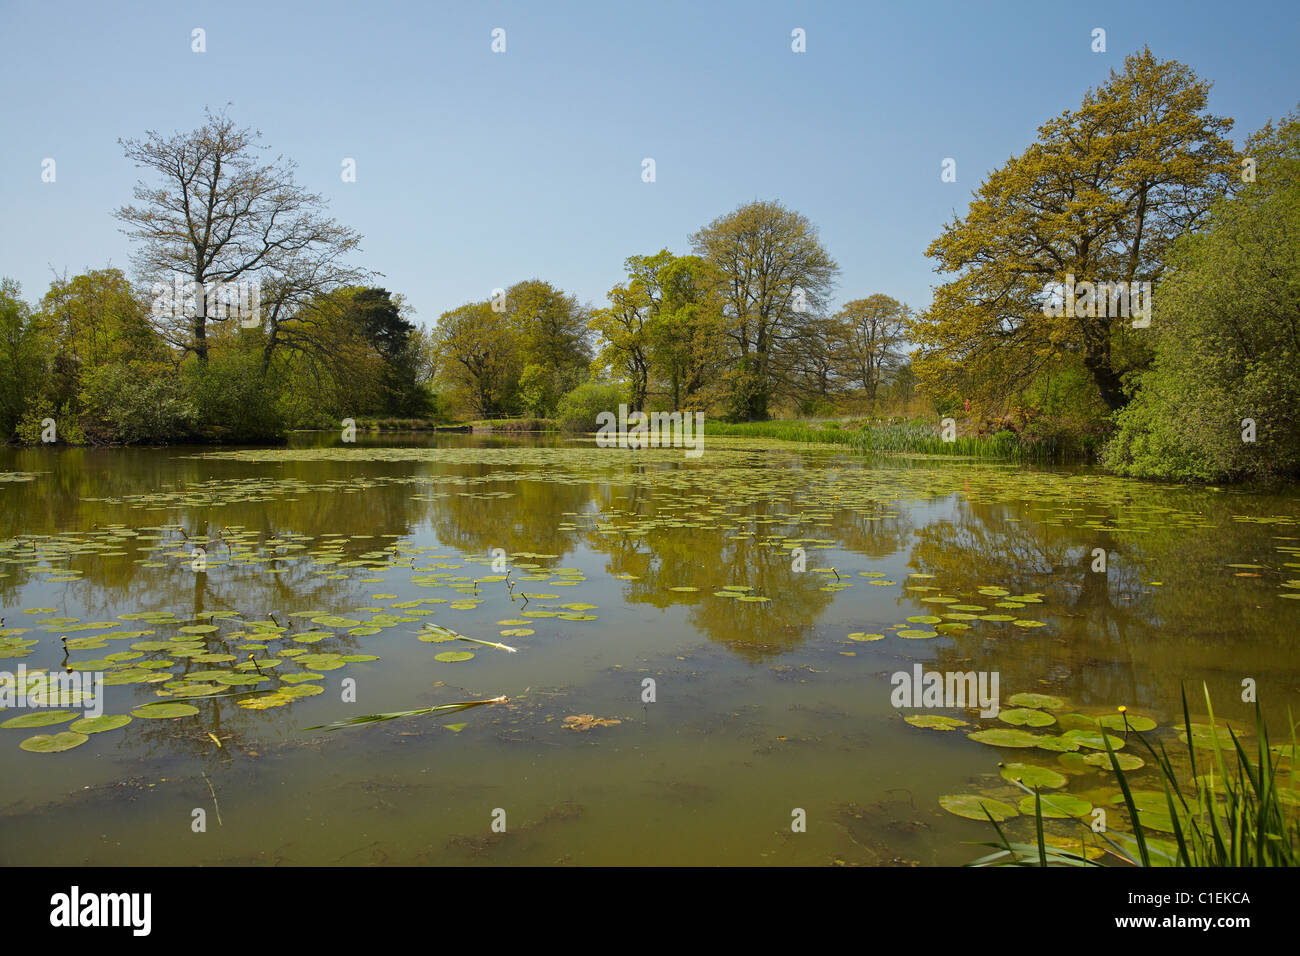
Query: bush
[(578, 410), (231, 400), (136, 404), (31, 428)]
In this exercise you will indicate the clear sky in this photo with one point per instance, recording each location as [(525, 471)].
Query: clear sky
[(477, 169)]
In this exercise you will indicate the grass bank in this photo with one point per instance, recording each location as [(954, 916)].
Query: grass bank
[(910, 437)]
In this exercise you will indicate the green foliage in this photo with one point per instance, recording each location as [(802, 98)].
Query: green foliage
[(24, 358), (137, 403), (231, 400), (1226, 342), (579, 408), (31, 429)]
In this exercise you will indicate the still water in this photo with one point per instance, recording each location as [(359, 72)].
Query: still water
[(683, 688)]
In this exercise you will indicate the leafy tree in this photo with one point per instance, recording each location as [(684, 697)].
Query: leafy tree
[(552, 332), (24, 357), (1101, 195), (868, 340), (773, 277), (1227, 336), (626, 339), (478, 356)]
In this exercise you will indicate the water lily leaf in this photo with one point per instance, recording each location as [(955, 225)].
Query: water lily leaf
[(935, 721), (1057, 806), (165, 711), (973, 807), (1127, 762), (1000, 737), (1038, 701), (38, 718), (1130, 720), (98, 725), (1026, 717), (1092, 739), (1032, 775), (53, 743), (452, 657), (861, 636)]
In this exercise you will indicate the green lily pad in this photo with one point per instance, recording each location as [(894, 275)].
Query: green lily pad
[(451, 657), (1000, 737), (1026, 717), (1038, 701), (1130, 720), (935, 721), (1127, 762), (97, 725), (1056, 806), (38, 718), (165, 711), (1092, 739), (53, 743), (1032, 775), (972, 807)]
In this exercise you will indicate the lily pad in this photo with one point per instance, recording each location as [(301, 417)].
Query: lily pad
[(165, 711), (38, 718), (1032, 775), (53, 743), (1056, 806), (98, 725), (1026, 717), (935, 721), (1000, 737), (973, 807)]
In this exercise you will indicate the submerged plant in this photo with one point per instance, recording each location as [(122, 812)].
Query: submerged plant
[(420, 712)]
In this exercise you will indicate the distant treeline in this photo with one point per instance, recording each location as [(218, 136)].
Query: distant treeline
[(1138, 189)]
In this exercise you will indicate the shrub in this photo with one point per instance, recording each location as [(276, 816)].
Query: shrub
[(136, 404), (232, 401), (578, 410)]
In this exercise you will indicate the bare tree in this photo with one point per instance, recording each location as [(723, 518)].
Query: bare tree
[(221, 214)]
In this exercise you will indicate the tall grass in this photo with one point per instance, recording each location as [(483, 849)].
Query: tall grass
[(914, 437), (1232, 812)]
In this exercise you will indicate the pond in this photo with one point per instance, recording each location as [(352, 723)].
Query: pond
[(700, 655)]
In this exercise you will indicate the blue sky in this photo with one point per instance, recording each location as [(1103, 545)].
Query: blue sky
[(476, 170)]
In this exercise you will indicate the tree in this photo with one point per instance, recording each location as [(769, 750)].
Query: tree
[(773, 276), (220, 215), (661, 330), (552, 331), (93, 320), (23, 357), (1222, 399), (622, 329), (1100, 196), (477, 354), (869, 334)]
